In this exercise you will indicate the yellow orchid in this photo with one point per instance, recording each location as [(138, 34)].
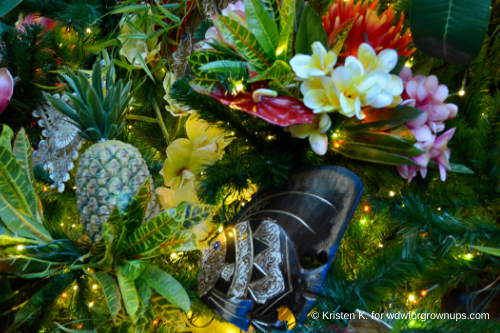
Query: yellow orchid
[(176, 109), (315, 131), (319, 63), (205, 137), (360, 82), (184, 163), (169, 199), (132, 48)]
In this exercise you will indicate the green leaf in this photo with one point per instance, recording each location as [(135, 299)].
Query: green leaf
[(299, 11), (194, 214), (144, 66), (387, 142), (167, 312), (223, 49), (372, 155), (206, 86), (423, 67), (129, 294), (489, 250), (133, 268), (182, 240), (280, 73), (148, 237), (284, 51), (6, 137), (310, 30), (65, 329), (243, 41), (7, 5), (199, 34), (167, 286), (225, 66), (7, 241), (399, 66), (262, 26), (144, 291), (169, 15), (97, 80), (460, 168), (130, 9), (199, 59), (450, 30), (385, 118), (111, 292), (273, 10), (22, 152)]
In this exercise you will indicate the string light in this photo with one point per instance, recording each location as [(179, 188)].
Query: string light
[(239, 87), (74, 225), (74, 187), (89, 30), (64, 295), (469, 255), (173, 255), (62, 224), (94, 286), (129, 126), (232, 133), (408, 64), (220, 229), (75, 287), (45, 188), (269, 137), (439, 208), (366, 208), (381, 245), (461, 92), (363, 221), (20, 247), (130, 108), (60, 45), (336, 145), (243, 204), (391, 193), (423, 293), (411, 298), (91, 304)]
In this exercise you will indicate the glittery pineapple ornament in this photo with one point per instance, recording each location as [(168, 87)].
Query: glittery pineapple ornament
[(109, 167)]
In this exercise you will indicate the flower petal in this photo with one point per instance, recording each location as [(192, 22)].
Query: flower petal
[(6, 88), (387, 60)]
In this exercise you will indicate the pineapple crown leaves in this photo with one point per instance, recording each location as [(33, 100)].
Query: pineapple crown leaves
[(98, 113)]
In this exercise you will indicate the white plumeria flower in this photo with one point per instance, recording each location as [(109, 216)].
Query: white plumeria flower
[(319, 63), (315, 131)]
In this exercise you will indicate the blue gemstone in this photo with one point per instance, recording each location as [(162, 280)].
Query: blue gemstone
[(185, 36), (216, 245)]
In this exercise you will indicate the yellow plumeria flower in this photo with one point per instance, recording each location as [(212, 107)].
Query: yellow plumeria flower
[(184, 163), (205, 137), (319, 63), (132, 48), (176, 109), (246, 194), (315, 131)]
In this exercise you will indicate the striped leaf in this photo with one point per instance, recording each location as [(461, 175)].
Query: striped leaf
[(167, 312), (168, 287), (243, 41), (284, 51), (195, 214), (148, 237), (280, 73), (262, 26), (133, 268), (182, 240), (287, 10), (129, 294), (111, 292), (6, 241), (144, 291), (372, 155), (6, 137), (22, 153), (198, 59), (273, 10), (204, 86)]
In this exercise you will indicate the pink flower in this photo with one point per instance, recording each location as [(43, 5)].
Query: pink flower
[(426, 94), (441, 153), (6, 88), (233, 11), (49, 24)]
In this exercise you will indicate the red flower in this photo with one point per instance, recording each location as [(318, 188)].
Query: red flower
[(380, 32)]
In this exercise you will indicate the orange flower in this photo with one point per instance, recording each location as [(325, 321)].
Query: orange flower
[(380, 32)]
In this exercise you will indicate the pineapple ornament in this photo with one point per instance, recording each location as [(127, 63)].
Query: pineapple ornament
[(109, 167)]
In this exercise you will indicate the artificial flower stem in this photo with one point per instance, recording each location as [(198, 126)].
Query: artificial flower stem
[(159, 118)]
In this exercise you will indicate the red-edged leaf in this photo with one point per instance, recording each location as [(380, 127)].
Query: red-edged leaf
[(280, 110)]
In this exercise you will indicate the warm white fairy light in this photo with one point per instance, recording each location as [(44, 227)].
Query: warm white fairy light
[(391, 193), (91, 304), (74, 225), (242, 204), (220, 229), (74, 187), (94, 286), (469, 255), (232, 133), (173, 255), (439, 208), (411, 298), (89, 30), (461, 92), (75, 287), (20, 247), (363, 221), (335, 135), (129, 126), (381, 245), (62, 224)]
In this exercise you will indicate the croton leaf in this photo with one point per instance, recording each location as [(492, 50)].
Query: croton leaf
[(168, 287), (129, 294), (262, 26), (7, 241), (133, 268), (372, 155), (273, 9), (284, 51), (386, 142), (310, 30), (167, 312), (280, 73), (182, 240), (200, 58), (280, 110), (450, 30), (111, 292), (230, 67), (243, 41), (385, 118), (153, 233), (144, 291), (6, 137), (205, 86), (194, 214)]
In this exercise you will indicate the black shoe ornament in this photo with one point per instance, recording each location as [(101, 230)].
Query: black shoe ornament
[(253, 268)]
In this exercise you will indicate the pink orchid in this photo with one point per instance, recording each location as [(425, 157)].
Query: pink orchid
[(233, 11), (426, 94), (6, 88)]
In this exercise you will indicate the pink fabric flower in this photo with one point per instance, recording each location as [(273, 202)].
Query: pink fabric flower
[(49, 24), (6, 88), (426, 94), (233, 11)]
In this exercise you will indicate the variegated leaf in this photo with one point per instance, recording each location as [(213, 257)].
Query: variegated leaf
[(280, 73), (243, 41), (148, 237), (6, 137), (133, 268), (129, 294), (200, 58), (194, 214), (167, 312), (15, 185), (144, 291), (111, 292), (168, 287), (273, 9), (204, 86), (182, 240), (284, 51), (6, 241), (262, 26)]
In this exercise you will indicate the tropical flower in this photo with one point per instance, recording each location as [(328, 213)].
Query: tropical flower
[(362, 81), (319, 63), (184, 163), (315, 131), (49, 24), (6, 88), (132, 48), (233, 11), (379, 31), (245, 194), (176, 109), (205, 137), (428, 95)]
